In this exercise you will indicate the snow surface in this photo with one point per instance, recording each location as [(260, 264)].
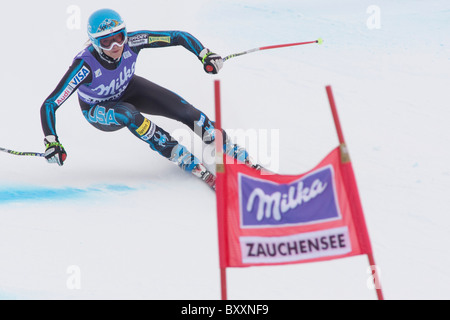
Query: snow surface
[(138, 228)]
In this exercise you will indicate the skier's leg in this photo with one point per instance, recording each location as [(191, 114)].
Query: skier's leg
[(113, 116), (151, 98)]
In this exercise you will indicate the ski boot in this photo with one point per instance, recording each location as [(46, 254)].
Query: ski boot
[(189, 163), (240, 154)]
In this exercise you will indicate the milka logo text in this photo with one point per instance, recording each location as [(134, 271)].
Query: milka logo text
[(117, 86), (272, 206), (309, 199)]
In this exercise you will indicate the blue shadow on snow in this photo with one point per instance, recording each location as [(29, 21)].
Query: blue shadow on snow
[(27, 193)]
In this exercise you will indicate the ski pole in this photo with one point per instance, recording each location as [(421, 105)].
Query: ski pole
[(27, 154), (318, 41)]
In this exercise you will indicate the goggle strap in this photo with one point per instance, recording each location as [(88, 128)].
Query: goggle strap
[(109, 31)]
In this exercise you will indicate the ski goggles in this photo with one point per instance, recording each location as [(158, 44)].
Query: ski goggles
[(108, 42)]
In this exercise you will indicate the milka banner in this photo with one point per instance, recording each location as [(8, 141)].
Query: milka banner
[(279, 219), (285, 219)]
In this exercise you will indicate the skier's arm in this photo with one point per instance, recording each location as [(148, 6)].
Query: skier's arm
[(157, 39), (79, 73)]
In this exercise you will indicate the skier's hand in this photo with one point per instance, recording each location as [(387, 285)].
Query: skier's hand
[(212, 62), (54, 150)]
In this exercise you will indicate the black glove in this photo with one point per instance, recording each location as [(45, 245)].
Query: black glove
[(212, 62), (54, 151)]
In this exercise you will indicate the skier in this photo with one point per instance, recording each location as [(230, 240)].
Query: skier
[(112, 97)]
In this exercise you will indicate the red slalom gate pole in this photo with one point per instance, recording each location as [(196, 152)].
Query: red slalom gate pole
[(221, 193), (335, 115), (355, 198), (376, 277)]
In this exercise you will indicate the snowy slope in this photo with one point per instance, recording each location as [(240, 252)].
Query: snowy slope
[(137, 227)]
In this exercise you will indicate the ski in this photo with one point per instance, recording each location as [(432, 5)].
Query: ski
[(210, 180), (205, 175)]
